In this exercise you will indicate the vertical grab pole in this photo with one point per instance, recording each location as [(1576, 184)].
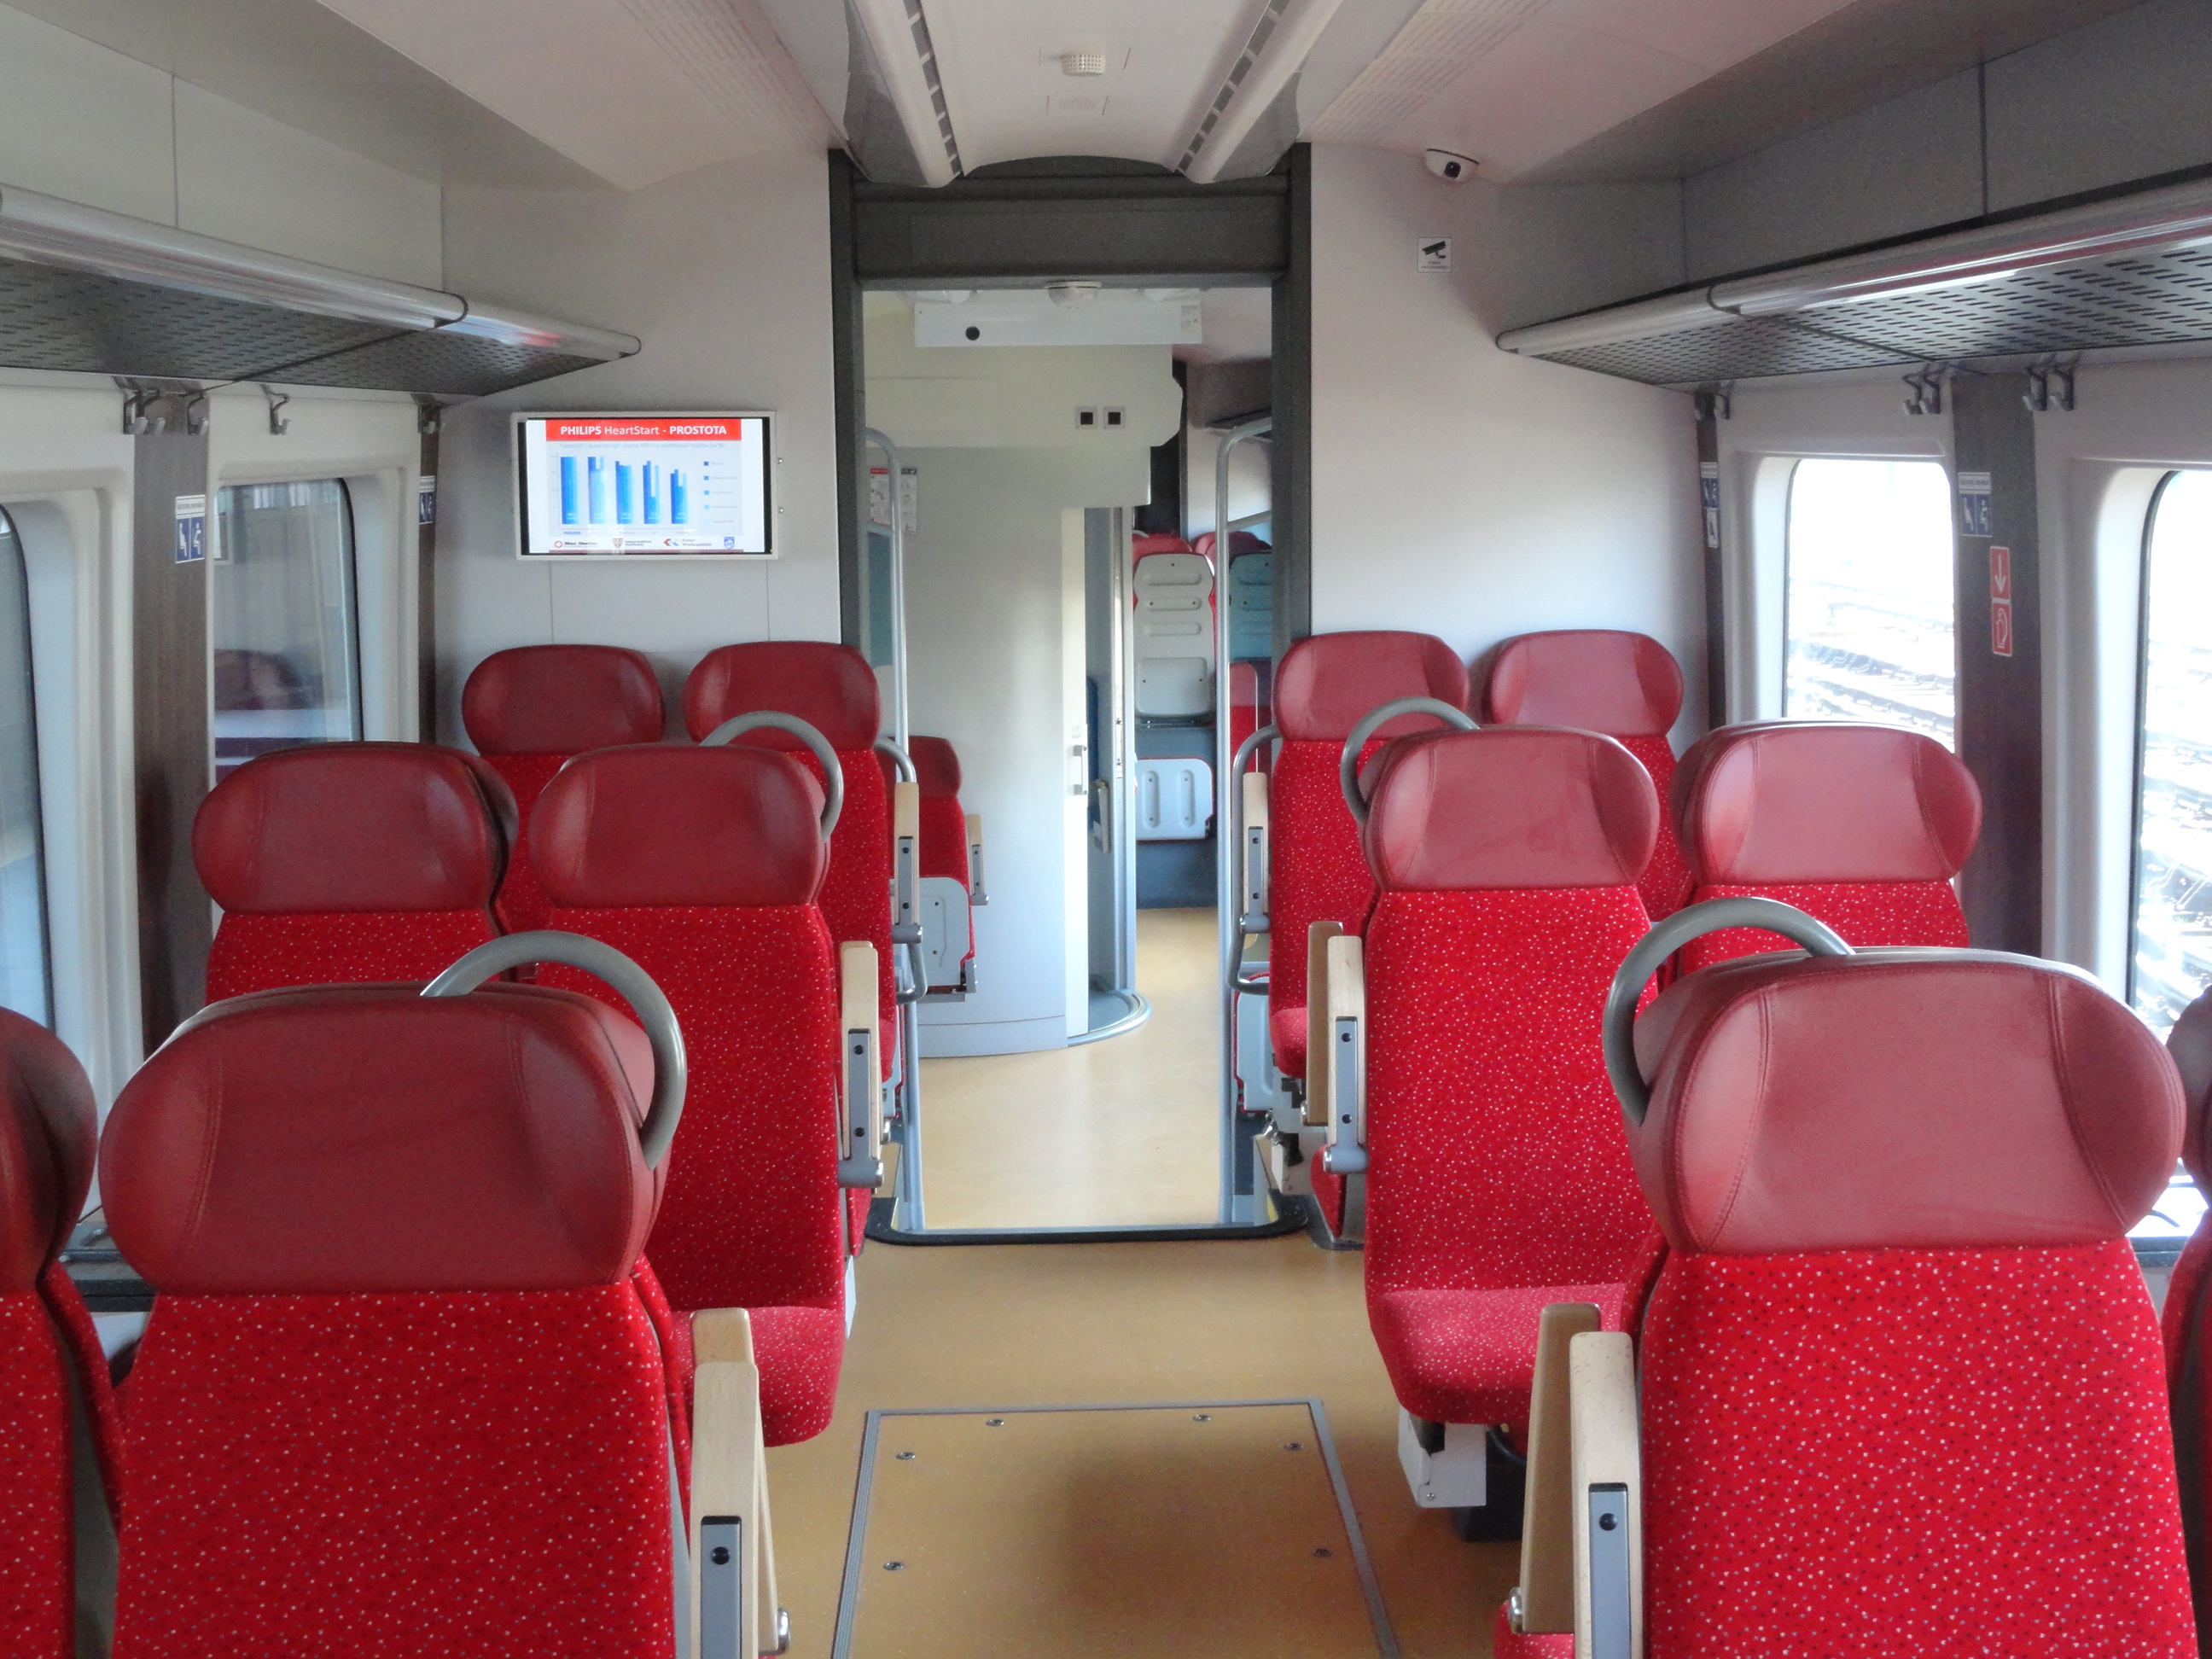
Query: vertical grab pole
[(1236, 1164), (1122, 744), (898, 733), (908, 1184)]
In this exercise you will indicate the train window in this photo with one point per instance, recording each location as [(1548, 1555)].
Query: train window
[(2172, 954), (26, 978), (1869, 616), (283, 623)]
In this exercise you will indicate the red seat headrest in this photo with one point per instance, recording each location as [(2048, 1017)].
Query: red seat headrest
[(1328, 683), (936, 766), (2190, 1043), (1142, 546), (561, 700), (1507, 807), (657, 827), (1785, 801), (356, 827), (1899, 1098), (49, 1131), (365, 1138), (830, 687), (1596, 679)]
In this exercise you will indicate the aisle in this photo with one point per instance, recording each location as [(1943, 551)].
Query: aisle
[(1118, 1133)]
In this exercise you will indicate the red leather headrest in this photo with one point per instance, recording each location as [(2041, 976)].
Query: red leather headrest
[(2190, 1043), (1143, 546), (1524, 807), (936, 766), (830, 687), (1328, 683), (1596, 679), (355, 826), (561, 700), (1921, 1099), (364, 1138), (1783, 801), (49, 1131), (653, 826)]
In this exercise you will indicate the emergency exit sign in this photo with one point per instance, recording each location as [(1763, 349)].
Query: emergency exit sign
[(2001, 601)]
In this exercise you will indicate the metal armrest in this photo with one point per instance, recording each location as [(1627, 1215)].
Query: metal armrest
[(1544, 1602), (1317, 1039), (1344, 1057), (1253, 899), (734, 1605), (977, 893), (1607, 1496), (860, 1124)]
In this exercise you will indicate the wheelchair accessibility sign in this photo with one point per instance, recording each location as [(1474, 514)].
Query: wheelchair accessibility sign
[(1974, 504), (192, 529)]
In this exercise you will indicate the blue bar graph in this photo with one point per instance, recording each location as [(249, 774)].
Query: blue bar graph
[(679, 499), (625, 493), (572, 507), (651, 492), (596, 475)]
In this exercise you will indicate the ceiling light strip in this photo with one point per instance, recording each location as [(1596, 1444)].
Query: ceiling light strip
[(1273, 54), (2148, 221), (48, 231)]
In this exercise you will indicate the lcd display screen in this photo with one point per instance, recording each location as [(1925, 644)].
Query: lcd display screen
[(644, 485)]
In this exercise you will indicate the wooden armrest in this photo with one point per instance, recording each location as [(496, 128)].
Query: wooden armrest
[(1254, 856), (1607, 1483), (906, 844), (861, 1133), (734, 1603), (1317, 938), (1544, 1603), (1344, 1058), (977, 894)]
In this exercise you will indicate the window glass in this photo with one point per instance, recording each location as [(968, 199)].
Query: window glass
[(25, 980), (286, 660), (1868, 609), (2173, 947)]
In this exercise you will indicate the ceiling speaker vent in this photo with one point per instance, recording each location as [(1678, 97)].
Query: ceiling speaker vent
[(1255, 44)]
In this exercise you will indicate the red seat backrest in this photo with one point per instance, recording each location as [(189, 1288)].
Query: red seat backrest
[(833, 689), (527, 710), (1862, 826), (1898, 1316), (349, 863), (1507, 860), (398, 1379), (702, 865), (1600, 680), (48, 1349), (2188, 1318), (944, 825)]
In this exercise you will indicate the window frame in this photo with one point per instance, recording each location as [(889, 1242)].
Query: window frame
[(2136, 774), (21, 576)]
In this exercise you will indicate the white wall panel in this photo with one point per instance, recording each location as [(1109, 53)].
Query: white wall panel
[(79, 121), (1461, 491), (724, 275)]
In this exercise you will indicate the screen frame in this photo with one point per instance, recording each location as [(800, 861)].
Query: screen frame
[(520, 500)]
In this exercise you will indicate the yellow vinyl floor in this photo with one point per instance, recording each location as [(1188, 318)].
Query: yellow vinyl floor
[(1121, 1133), (1135, 1324)]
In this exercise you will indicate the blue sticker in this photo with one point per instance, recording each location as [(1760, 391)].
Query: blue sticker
[(425, 497), (1974, 503), (192, 529)]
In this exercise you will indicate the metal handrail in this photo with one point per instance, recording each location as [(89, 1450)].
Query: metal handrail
[(1666, 937), (833, 774), (1347, 764), (645, 998), (1238, 981)]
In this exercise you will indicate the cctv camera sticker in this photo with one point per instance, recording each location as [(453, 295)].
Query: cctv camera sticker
[(1432, 254)]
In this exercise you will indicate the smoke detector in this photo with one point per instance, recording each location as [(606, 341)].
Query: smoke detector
[(1086, 62), (1073, 294)]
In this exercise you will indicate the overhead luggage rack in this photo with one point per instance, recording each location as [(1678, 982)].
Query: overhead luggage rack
[(94, 292), (2128, 271)]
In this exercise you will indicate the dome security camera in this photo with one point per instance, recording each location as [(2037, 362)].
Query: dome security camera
[(1450, 166)]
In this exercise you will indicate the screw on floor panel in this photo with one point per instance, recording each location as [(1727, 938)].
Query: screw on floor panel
[(1294, 1445), (994, 1422), (1202, 1417), (893, 1566), (1324, 1553), (906, 1457)]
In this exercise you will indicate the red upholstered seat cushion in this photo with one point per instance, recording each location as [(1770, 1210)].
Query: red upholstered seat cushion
[(749, 1216), (1286, 1036), (1470, 1355), (38, 1614), (522, 906), (1866, 913), (799, 1351), (1890, 1454), (265, 952), (1505, 1645), (467, 1466), (944, 838), (1666, 882), (1316, 871)]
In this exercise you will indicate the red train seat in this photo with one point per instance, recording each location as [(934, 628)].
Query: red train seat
[(1627, 686), (1324, 686), (55, 1403), (1861, 827), (2188, 1319), (1900, 1383), (527, 710), (350, 863), (946, 865), (400, 1391), (833, 689), (702, 865), (1506, 861)]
